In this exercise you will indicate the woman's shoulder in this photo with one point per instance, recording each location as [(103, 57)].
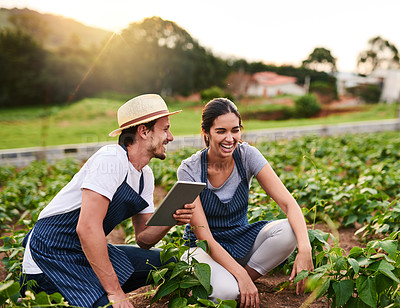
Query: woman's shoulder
[(246, 149), (192, 160)]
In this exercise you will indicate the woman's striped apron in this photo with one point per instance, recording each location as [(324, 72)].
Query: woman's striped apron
[(56, 248), (228, 221)]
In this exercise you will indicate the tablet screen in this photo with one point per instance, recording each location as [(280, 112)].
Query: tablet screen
[(180, 194)]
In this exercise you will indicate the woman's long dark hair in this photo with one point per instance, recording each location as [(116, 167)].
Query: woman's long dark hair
[(215, 108)]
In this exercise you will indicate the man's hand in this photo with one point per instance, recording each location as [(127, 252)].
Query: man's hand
[(119, 300), (184, 215)]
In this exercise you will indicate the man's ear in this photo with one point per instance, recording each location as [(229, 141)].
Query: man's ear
[(142, 131)]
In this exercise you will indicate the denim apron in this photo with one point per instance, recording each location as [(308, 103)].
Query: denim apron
[(56, 248), (228, 221)]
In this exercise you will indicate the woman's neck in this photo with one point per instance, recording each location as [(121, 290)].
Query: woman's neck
[(219, 164)]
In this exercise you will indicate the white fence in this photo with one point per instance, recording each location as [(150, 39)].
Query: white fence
[(22, 157)]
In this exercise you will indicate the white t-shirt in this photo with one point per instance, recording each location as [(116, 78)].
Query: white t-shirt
[(103, 173)]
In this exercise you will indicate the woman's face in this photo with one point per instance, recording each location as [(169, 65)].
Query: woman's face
[(224, 135)]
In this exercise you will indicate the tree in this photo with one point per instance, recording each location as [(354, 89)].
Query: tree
[(30, 24), (22, 61), (320, 59), (159, 56), (381, 54)]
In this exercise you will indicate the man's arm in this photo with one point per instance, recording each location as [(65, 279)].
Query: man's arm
[(148, 236), (94, 244)]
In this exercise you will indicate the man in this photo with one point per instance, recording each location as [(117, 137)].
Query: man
[(67, 251)]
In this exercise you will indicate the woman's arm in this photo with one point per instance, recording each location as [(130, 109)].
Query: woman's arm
[(274, 187), (94, 244), (248, 291)]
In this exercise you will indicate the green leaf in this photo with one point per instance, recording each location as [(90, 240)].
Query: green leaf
[(366, 289), (390, 274), (340, 264), (166, 288), (6, 285), (227, 303), (159, 274), (390, 246), (180, 267), (369, 190), (355, 252), (354, 264), (323, 288), (189, 281), (168, 254), (199, 292), (343, 291), (57, 298), (203, 273), (42, 299), (300, 276), (203, 245), (207, 302), (177, 302)]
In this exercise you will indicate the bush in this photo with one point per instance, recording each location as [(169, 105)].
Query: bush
[(369, 93), (306, 106), (214, 92), (325, 91)]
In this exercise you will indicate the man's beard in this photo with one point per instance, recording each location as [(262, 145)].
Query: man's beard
[(157, 154)]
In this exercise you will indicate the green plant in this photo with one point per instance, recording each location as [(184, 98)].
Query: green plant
[(306, 106), (10, 297), (367, 277), (186, 282), (213, 92)]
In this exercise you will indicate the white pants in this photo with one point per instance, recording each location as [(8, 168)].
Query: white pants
[(273, 245)]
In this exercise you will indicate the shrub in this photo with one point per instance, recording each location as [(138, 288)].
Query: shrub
[(306, 106), (214, 92), (369, 93)]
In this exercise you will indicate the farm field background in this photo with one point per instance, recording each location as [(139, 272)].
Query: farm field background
[(349, 182), (91, 119)]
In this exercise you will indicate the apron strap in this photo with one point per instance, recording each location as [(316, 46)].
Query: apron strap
[(141, 181)]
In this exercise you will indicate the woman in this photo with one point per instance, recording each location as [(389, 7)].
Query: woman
[(239, 253)]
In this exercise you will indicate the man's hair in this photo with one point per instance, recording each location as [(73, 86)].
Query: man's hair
[(128, 135)]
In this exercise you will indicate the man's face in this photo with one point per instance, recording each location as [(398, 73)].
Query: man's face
[(159, 138)]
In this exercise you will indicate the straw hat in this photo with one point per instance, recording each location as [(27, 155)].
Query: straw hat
[(139, 110)]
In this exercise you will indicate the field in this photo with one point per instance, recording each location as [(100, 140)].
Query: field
[(90, 120), (348, 189)]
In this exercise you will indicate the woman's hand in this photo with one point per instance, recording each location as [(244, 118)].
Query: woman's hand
[(184, 215), (248, 293), (303, 262)]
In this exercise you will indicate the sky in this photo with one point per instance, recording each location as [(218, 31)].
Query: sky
[(275, 32)]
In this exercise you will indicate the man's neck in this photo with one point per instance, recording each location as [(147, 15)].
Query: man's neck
[(138, 156)]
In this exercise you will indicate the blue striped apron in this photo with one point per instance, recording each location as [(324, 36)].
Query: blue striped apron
[(56, 248), (228, 221)]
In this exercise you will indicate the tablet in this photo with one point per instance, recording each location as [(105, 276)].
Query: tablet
[(180, 194)]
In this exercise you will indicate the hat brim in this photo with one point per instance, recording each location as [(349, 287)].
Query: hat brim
[(119, 130)]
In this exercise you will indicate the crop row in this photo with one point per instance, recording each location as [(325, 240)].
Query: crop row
[(351, 180)]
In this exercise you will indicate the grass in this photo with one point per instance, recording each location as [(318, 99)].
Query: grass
[(90, 120)]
